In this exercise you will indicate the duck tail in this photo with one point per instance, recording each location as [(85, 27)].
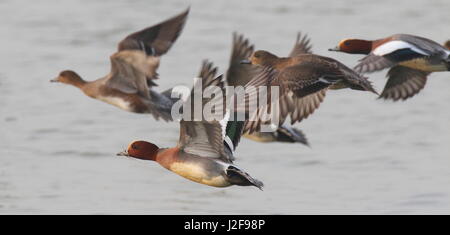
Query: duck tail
[(291, 135), (364, 85), (447, 45), (238, 177)]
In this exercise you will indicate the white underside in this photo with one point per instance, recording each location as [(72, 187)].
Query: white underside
[(197, 174), (118, 102), (392, 46)]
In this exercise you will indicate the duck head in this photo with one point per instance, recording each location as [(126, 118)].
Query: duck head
[(69, 77), (141, 150), (354, 46)]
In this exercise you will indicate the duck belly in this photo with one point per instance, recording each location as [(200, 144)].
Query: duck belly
[(198, 173), (425, 65), (117, 101)]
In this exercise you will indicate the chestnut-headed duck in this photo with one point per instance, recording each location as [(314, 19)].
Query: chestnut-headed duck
[(239, 74), (303, 80), (204, 153), (133, 70), (410, 59)]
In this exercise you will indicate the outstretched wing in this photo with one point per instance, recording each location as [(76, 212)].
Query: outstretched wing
[(205, 138), (239, 74), (156, 40), (128, 73), (400, 48), (403, 83), (302, 45), (293, 102), (302, 88)]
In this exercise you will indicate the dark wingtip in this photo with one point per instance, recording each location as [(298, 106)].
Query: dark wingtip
[(259, 185), (374, 91), (188, 9)]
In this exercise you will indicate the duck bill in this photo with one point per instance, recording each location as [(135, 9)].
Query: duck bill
[(334, 49), (54, 80), (245, 62), (123, 154)]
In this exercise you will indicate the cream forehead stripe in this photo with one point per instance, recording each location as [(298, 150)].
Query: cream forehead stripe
[(347, 39), (129, 146)]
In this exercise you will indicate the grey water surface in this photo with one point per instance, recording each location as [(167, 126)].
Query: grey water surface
[(57, 146)]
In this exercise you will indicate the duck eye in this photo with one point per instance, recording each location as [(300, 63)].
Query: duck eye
[(134, 147), (256, 55), (347, 43)]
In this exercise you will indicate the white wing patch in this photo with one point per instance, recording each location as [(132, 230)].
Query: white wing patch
[(224, 123), (323, 80), (229, 143), (392, 46)]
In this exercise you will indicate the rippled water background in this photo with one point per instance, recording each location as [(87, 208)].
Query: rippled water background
[(57, 147)]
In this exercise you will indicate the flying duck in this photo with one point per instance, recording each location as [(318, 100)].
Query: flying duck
[(410, 59), (133, 70), (239, 74), (205, 149), (303, 80)]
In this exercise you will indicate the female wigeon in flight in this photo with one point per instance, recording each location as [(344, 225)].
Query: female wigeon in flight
[(410, 59), (204, 153), (303, 79), (133, 71), (239, 74)]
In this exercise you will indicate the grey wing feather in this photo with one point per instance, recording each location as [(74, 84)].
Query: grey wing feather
[(373, 63), (294, 100), (286, 133), (155, 41), (403, 83), (158, 39), (431, 47), (302, 45), (239, 74), (304, 107), (128, 73), (205, 137)]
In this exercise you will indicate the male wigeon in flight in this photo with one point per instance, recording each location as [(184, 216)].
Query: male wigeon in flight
[(303, 79), (410, 59), (133, 71), (239, 74), (204, 153)]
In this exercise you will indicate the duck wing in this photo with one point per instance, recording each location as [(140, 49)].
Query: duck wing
[(128, 73), (403, 83), (239, 74), (155, 41), (302, 45), (400, 48), (204, 137)]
